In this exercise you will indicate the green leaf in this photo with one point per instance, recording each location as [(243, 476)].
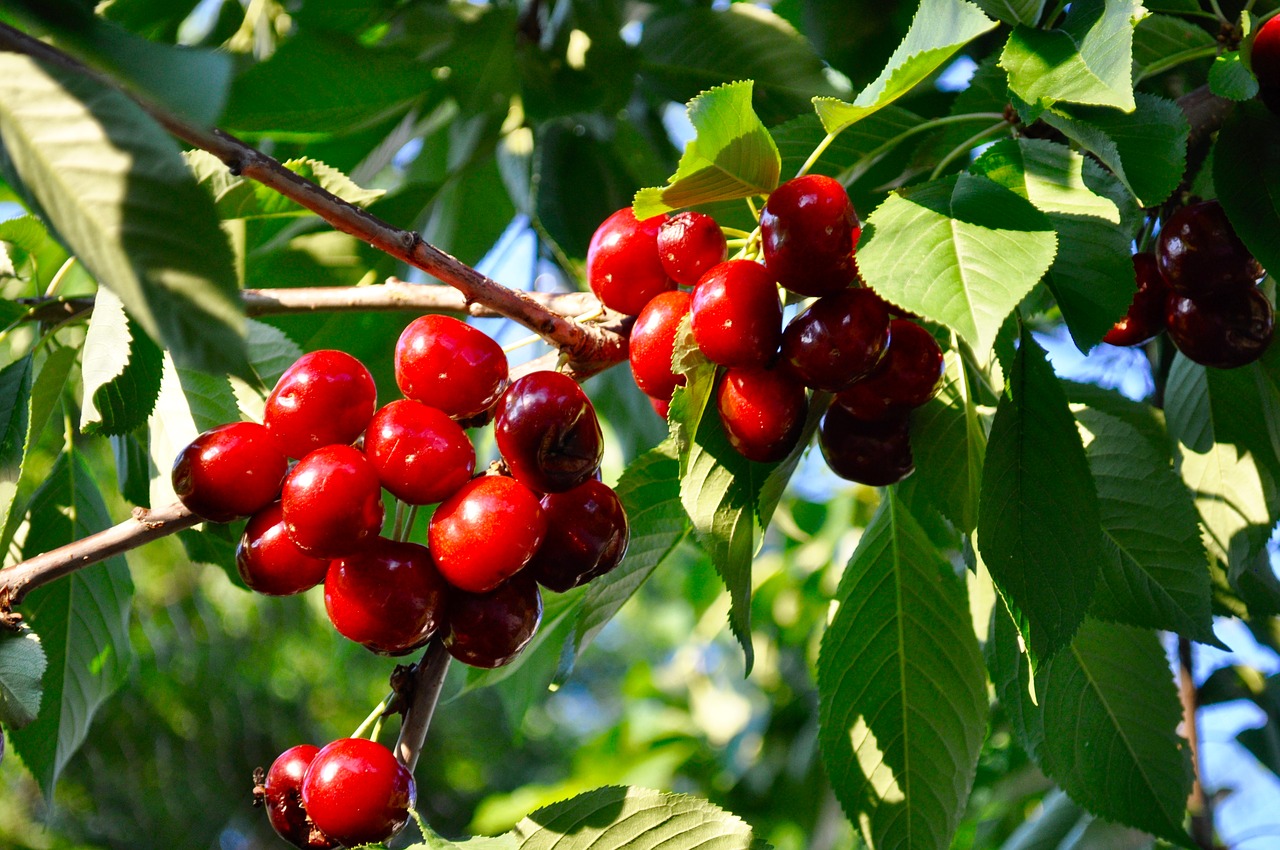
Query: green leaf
[(732, 155), (1038, 522), (949, 442), (901, 688), (1013, 11), (1161, 42), (939, 29), (1089, 59), (238, 197), (960, 251), (271, 352), (1230, 78), (1246, 172), (148, 233), (22, 665), (121, 370), (15, 400), (1010, 670), (26, 232)]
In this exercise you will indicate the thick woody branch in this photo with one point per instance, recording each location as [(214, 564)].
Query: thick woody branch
[(428, 679)]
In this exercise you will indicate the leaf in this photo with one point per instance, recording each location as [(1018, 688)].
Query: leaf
[(271, 352), (1230, 78), (1161, 42), (237, 197), (15, 400), (1013, 11), (732, 155), (121, 370), (901, 688), (949, 443), (938, 30), (1089, 59), (22, 665), (114, 186), (1038, 522), (26, 232), (1249, 187), (960, 251)]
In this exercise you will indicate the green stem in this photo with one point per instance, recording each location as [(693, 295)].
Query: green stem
[(399, 523), (1217, 11), (817, 152), (868, 161), (58, 276), (735, 232), (373, 718), (964, 147), (409, 517), (1057, 10), (1162, 65)]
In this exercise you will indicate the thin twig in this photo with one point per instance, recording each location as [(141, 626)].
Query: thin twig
[(428, 679), (1198, 803)]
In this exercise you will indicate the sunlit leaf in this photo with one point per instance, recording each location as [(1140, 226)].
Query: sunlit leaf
[(121, 370), (22, 666)]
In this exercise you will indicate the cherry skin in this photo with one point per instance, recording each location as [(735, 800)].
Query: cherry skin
[(229, 471), (283, 800), (450, 365), (909, 375), (357, 793), (388, 597), (689, 244), (1199, 253), (1231, 330), (332, 502), (421, 455), (547, 431), (623, 267), (486, 532), (325, 398), (763, 412), (736, 315), (269, 562), (1265, 59), (653, 342), (872, 453), (489, 629), (661, 406), (1145, 318), (808, 230), (838, 340), (587, 534)]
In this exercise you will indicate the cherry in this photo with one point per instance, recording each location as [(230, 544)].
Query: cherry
[(808, 230), (357, 793), (1145, 317), (1233, 329), (763, 412), (332, 502), (587, 534), (623, 267), (486, 532), (229, 471), (736, 315), (838, 340), (689, 244), (1265, 59), (661, 406), (450, 365), (1199, 253), (421, 455), (872, 453), (269, 562), (909, 375), (325, 398), (283, 800), (653, 342), (547, 431), (388, 596), (489, 629)]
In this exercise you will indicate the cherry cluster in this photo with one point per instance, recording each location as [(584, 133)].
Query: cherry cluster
[(1201, 285), (841, 343)]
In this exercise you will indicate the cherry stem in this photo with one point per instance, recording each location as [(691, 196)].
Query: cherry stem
[(374, 717), (817, 153), (964, 147), (428, 680)]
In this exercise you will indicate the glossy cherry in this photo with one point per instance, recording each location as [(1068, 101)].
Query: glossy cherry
[(421, 455), (357, 793), (1145, 317), (652, 343), (623, 267), (332, 502), (808, 230), (736, 314), (872, 453), (909, 375), (486, 532), (269, 562), (689, 244), (229, 471), (763, 412), (325, 398), (1199, 253), (489, 629), (1233, 329), (587, 534), (547, 431), (283, 799), (838, 340), (450, 365), (388, 596), (1265, 59)]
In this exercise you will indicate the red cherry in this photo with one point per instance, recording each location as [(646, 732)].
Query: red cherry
[(332, 502), (357, 793), (1199, 253), (486, 532), (388, 596), (736, 315), (283, 787), (325, 398), (1233, 329), (763, 412), (653, 341), (421, 455), (1265, 59), (872, 453), (661, 406), (689, 244), (1145, 317), (229, 471), (547, 431), (909, 375), (269, 562), (838, 340), (489, 629), (808, 230), (623, 267), (587, 534), (450, 365)]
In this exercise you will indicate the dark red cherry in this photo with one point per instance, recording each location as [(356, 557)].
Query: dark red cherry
[(661, 406), (269, 562), (388, 596), (1265, 59), (909, 375), (1145, 318), (547, 431), (838, 340), (489, 629), (763, 412), (450, 365), (872, 453), (808, 230), (421, 455), (357, 793), (229, 471), (486, 532), (325, 398), (587, 534), (623, 267), (1233, 329), (283, 800), (332, 502), (652, 343), (689, 244), (736, 314), (1199, 253)]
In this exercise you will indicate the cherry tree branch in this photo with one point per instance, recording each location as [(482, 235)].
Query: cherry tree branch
[(428, 679)]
